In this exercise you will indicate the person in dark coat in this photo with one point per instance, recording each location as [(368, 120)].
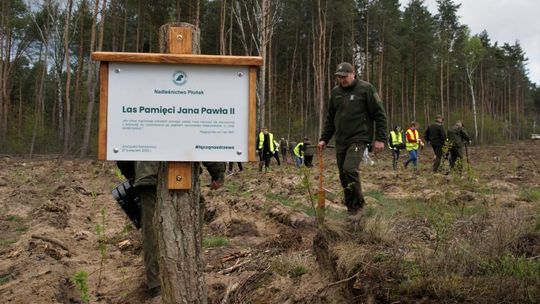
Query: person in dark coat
[(457, 139), (436, 136), (356, 117), (309, 152)]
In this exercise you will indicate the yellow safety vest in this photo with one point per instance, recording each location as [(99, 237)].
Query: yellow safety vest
[(297, 151), (412, 145), (396, 138), (261, 141)]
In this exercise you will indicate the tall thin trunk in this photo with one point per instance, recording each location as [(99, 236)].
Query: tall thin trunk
[(470, 71), (80, 63), (90, 87), (319, 58), (124, 32), (441, 84), (39, 97), (67, 122), (366, 73), (222, 18)]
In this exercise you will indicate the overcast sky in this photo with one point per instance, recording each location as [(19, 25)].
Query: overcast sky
[(505, 21)]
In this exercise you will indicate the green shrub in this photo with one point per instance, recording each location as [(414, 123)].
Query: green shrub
[(215, 241)]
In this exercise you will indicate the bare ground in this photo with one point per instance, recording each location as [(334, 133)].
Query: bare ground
[(261, 241)]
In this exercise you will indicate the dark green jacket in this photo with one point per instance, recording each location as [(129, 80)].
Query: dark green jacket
[(435, 134), (352, 114), (458, 137)]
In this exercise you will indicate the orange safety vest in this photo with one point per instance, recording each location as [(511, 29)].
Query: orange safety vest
[(412, 143)]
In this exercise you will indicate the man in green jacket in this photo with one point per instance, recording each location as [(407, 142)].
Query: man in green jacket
[(457, 138), (353, 110)]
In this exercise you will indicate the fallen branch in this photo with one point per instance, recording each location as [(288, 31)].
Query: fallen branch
[(346, 279), (50, 240), (235, 255), (233, 268), (228, 292), (342, 281)]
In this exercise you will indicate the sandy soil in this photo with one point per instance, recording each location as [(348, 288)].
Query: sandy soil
[(59, 218)]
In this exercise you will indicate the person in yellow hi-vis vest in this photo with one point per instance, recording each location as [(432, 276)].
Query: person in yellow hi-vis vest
[(298, 154), (395, 142), (413, 142), (266, 148)]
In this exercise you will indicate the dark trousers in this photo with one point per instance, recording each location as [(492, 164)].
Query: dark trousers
[(348, 162), (438, 156), (265, 158), (455, 154), (149, 240), (240, 168), (276, 156), (308, 161), (395, 158), (216, 170), (284, 154)]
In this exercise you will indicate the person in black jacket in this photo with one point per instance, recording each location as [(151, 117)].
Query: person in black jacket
[(436, 136)]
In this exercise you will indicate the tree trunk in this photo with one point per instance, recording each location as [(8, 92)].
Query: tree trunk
[(222, 23), (90, 86), (67, 121), (473, 100), (319, 59), (178, 219)]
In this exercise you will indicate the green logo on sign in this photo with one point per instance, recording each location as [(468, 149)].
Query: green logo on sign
[(179, 77)]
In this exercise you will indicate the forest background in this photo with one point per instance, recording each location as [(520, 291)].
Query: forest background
[(421, 64)]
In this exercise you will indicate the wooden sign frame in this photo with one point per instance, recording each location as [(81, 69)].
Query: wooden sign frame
[(105, 57)]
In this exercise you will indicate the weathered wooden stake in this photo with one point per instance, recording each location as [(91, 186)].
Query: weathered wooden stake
[(178, 217)]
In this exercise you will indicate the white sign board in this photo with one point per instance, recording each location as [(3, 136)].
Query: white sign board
[(168, 112)]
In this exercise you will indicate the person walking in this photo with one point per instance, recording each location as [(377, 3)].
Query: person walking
[(413, 142), (395, 142), (298, 154), (457, 139), (265, 148), (436, 136), (354, 110), (276, 152)]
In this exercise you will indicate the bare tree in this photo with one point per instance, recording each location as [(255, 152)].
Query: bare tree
[(320, 57), (67, 122), (260, 19), (90, 86)]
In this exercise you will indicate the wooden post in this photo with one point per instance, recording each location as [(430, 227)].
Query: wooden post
[(178, 216)]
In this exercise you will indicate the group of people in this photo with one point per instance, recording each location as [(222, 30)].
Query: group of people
[(267, 147), (357, 120), (444, 145)]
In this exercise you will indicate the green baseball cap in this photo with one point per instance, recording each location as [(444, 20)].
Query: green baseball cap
[(344, 69)]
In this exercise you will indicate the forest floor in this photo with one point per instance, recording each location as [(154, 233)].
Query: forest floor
[(472, 237)]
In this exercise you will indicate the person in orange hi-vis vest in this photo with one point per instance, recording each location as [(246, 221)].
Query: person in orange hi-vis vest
[(412, 143)]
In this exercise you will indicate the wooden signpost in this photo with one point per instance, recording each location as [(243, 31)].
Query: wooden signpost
[(203, 104)]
